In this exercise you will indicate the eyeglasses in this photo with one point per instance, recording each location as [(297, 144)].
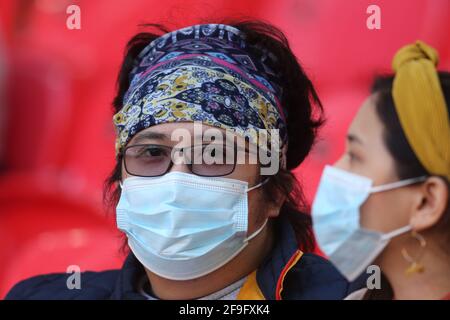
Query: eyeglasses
[(152, 160)]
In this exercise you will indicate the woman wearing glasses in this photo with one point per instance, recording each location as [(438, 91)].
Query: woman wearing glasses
[(201, 219), (385, 203)]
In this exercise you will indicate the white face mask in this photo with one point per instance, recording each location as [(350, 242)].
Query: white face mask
[(335, 214), (181, 226)]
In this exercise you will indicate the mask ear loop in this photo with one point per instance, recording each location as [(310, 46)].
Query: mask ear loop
[(396, 233), (397, 184), (259, 184), (265, 222), (257, 231)]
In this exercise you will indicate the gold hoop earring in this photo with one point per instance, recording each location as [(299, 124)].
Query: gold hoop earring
[(415, 265)]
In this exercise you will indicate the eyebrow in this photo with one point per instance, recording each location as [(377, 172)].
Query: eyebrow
[(150, 135), (354, 138)]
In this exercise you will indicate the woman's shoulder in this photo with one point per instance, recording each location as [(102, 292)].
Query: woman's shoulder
[(63, 286)]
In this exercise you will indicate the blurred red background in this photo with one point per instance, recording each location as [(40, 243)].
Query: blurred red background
[(56, 88)]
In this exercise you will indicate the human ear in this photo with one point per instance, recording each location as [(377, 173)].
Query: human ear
[(275, 203), (429, 204)]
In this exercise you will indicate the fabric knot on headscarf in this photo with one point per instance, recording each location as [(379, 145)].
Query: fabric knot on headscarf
[(414, 52), (421, 107)]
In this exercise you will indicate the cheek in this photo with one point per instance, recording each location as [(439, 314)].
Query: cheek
[(343, 163), (124, 172), (245, 172), (373, 214), (383, 212)]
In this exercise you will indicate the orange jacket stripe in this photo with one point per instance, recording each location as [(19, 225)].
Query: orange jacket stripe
[(292, 261)]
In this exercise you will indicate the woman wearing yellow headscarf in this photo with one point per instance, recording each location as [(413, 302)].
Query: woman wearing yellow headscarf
[(382, 210)]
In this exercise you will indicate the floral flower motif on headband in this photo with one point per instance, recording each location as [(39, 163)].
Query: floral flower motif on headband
[(201, 73)]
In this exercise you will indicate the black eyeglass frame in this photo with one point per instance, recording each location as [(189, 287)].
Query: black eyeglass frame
[(189, 165)]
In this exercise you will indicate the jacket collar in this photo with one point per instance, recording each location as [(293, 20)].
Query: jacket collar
[(269, 272), (126, 284), (310, 276)]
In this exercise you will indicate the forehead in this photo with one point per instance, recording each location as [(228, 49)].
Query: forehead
[(367, 125), (188, 130)]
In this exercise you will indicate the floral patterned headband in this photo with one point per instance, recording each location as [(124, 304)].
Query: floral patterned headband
[(203, 73)]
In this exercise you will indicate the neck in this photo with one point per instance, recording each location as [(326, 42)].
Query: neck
[(242, 265), (432, 283)]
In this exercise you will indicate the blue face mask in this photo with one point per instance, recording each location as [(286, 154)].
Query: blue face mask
[(335, 214), (181, 226)]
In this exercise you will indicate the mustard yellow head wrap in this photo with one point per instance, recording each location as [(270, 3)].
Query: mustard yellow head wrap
[(420, 105)]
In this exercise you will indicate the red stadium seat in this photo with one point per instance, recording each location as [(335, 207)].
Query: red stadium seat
[(39, 114), (45, 226), (61, 84), (89, 249), (331, 38)]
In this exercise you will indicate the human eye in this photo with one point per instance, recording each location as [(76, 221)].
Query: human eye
[(150, 153)]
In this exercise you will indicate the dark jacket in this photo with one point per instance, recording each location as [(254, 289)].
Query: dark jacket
[(285, 274)]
